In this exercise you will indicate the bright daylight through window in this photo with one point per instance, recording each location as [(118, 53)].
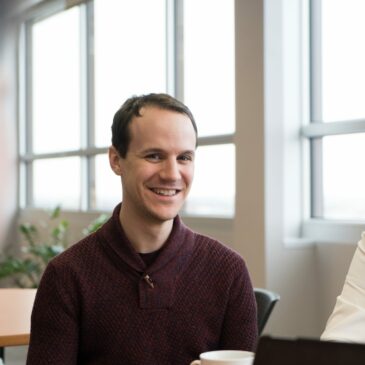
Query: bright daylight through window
[(337, 130), (81, 69)]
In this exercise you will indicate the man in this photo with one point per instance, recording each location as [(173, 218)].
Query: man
[(347, 321), (144, 289)]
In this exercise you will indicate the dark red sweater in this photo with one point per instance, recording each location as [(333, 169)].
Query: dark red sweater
[(94, 306)]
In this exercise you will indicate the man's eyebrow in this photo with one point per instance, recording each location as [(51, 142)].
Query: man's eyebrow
[(152, 150), (190, 152), (160, 150)]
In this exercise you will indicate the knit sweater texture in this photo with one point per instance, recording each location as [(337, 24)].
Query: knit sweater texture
[(95, 305)]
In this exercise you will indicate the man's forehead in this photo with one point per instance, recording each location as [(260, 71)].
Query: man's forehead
[(156, 133)]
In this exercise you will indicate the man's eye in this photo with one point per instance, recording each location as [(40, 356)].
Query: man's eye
[(153, 157), (185, 158)]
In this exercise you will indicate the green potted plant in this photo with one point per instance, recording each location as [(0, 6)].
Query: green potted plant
[(26, 269)]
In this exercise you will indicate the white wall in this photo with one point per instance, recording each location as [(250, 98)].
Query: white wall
[(259, 224), (249, 222)]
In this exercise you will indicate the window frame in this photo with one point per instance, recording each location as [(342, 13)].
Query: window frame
[(288, 161), (317, 129), (316, 228), (88, 150)]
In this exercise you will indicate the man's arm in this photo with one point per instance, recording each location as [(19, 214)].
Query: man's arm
[(54, 327), (347, 321), (240, 324)]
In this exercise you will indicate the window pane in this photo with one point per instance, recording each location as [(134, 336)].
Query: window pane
[(344, 176), (209, 64), (56, 82), (130, 56), (343, 59), (213, 190), (57, 181), (108, 186)]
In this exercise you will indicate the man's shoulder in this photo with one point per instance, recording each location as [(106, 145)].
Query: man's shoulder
[(79, 251), (216, 259), (212, 249)]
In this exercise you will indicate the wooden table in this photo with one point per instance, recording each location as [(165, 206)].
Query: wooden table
[(15, 310)]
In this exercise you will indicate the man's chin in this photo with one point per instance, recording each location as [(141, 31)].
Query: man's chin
[(164, 216)]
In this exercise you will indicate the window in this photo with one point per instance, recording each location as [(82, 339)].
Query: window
[(337, 128), (131, 60), (86, 60), (209, 60), (52, 130)]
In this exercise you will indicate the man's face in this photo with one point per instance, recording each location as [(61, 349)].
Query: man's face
[(158, 169)]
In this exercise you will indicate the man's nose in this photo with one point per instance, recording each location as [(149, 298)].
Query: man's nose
[(170, 170)]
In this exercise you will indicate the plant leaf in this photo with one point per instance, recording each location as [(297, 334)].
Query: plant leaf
[(58, 233), (29, 232), (95, 224), (56, 212), (12, 266), (27, 270)]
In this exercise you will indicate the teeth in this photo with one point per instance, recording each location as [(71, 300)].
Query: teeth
[(165, 192)]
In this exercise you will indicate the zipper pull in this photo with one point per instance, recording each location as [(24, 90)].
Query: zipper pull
[(149, 281)]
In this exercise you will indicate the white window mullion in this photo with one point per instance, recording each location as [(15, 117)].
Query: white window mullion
[(316, 178), (29, 196), (87, 108), (316, 61), (316, 161), (170, 44), (314, 130), (179, 49), (216, 140)]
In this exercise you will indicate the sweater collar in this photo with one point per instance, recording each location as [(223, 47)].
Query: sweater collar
[(156, 283), (180, 242)]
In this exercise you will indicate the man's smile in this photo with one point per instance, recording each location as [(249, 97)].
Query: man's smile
[(165, 192)]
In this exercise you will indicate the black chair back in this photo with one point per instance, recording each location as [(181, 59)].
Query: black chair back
[(265, 300)]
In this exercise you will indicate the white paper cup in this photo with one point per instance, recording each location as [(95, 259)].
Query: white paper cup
[(225, 357)]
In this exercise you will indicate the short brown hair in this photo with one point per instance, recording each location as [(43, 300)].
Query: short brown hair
[(131, 108)]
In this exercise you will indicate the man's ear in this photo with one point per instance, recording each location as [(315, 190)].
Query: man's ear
[(114, 161)]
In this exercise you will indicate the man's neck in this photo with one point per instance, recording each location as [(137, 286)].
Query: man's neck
[(144, 236)]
